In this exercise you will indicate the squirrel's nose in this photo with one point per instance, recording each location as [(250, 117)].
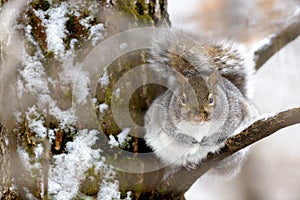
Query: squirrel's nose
[(201, 116), (198, 116)]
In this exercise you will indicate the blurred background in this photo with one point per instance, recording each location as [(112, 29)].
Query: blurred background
[(272, 171)]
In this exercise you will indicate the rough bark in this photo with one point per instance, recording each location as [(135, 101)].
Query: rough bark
[(130, 14)]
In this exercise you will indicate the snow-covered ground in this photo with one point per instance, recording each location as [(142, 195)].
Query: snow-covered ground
[(272, 170)]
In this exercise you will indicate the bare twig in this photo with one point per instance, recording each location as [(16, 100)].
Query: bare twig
[(272, 44), (182, 180)]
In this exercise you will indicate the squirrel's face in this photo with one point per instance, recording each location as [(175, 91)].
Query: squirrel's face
[(197, 98), (196, 110)]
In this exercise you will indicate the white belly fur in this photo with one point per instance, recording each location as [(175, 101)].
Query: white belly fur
[(178, 154)]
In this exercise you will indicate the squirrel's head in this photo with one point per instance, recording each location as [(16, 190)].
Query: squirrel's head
[(197, 98)]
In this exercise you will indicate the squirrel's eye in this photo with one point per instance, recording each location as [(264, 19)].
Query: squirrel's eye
[(183, 99), (211, 100)]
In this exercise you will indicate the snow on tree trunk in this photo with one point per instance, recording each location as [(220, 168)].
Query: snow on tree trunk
[(53, 155)]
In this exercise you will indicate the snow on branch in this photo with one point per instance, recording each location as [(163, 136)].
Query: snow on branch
[(261, 128), (266, 48)]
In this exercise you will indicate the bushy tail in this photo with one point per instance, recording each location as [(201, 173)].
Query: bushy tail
[(190, 55)]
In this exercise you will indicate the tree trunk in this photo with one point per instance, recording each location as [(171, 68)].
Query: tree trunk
[(116, 15), (142, 185)]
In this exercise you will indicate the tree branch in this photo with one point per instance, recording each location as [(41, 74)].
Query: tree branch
[(272, 44), (183, 179)]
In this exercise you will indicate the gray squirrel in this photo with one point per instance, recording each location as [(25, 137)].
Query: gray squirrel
[(206, 103)]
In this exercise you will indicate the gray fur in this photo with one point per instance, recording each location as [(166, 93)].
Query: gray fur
[(176, 131)]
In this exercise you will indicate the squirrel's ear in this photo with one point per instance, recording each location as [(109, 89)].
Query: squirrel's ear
[(214, 80)]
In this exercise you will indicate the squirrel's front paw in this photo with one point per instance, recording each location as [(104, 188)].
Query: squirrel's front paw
[(186, 139), (211, 141), (206, 142)]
